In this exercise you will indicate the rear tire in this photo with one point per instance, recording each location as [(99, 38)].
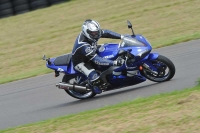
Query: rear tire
[(70, 79), (163, 64)]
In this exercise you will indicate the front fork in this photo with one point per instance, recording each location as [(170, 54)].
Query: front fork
[(150, 68), (147, 64)]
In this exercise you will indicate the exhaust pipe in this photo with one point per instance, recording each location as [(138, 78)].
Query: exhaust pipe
[(76, 88)]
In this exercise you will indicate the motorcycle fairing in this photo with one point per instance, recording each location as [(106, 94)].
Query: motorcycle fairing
[(141, 51), (108, 51), (143, 40), (123, 81)]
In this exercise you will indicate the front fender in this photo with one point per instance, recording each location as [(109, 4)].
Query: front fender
[(151, 56)]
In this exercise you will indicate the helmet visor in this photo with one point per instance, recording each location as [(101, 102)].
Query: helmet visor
[(94, 34)]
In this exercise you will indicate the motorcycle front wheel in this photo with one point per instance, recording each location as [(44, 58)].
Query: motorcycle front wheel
[(165, 68)]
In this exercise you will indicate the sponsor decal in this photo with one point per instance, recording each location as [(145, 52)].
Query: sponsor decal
[(88, 50), (109, 56), (101, 63)]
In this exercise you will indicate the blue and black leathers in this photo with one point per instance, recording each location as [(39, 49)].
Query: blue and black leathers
[(84, 52)]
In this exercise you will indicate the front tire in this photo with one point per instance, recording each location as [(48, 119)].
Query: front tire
[(165, 67), (70, 79)]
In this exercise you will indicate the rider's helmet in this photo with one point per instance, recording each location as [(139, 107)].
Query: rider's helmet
[(91, 29)]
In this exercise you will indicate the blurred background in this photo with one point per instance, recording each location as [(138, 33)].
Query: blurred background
[(14, 7)]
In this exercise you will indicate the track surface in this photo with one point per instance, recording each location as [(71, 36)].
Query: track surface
[(37, 98)]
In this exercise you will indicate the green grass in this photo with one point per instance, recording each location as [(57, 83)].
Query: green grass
[(177, 111), (25, 38)]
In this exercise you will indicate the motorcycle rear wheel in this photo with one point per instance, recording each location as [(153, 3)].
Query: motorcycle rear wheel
[(70, 79), (165, 67)]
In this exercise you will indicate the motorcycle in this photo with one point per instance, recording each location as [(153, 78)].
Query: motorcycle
[(139, 65)]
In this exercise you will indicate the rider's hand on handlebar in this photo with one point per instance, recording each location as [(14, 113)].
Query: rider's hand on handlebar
[(118, 62)]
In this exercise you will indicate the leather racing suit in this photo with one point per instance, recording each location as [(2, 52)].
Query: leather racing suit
[(84, 51)]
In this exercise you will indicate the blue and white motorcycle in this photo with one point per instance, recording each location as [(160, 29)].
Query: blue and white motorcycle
[(140, 64)]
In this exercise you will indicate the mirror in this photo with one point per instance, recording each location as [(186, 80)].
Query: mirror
[(129, 24), (44, 57), (130, 27)]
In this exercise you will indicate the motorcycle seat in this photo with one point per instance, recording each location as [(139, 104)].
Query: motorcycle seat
[(63, 60)]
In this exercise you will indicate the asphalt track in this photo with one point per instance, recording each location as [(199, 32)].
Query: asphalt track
[(36, 99)]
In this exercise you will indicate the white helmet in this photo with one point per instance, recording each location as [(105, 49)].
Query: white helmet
[(91, 30)]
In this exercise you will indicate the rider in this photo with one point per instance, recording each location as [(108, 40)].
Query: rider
[(84, 52)]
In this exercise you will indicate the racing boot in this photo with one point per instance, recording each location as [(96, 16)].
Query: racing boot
[(98, 86), (96, 82)]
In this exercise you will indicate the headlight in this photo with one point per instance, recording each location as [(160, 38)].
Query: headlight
[(143, 53)]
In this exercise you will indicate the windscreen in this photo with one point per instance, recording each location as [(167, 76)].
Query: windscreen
[(131, 42)]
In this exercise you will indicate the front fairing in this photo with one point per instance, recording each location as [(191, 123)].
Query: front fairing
[(143, 40), (137, 45)]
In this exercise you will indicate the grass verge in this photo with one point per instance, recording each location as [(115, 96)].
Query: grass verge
[(52, 31), (177, 111)]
